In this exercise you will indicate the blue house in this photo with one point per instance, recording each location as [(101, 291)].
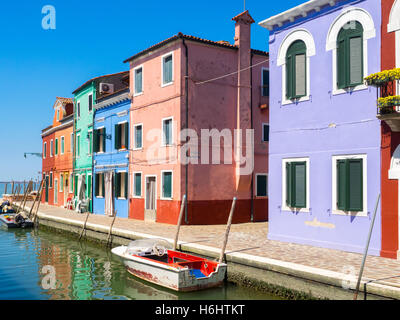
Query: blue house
[(111, 154)]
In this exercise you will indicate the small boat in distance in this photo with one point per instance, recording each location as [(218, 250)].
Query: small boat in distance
[(15, 220), (153, 261)]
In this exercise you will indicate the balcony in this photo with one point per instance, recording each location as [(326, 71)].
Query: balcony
[(388, 84)]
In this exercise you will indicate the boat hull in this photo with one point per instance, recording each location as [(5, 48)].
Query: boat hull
[(11, 223), (172, 277)]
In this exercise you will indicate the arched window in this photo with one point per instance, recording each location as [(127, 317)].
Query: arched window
[(350, 61), (296, 70)]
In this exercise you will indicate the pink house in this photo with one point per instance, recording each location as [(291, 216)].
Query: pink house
[(190, 97)]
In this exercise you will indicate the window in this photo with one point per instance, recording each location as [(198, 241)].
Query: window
[(349, 178), (138, 80), (138, 129), (72, 142), (58, 114), (296, 70), (167, 132), (90, 102), (79, 109), (121, 185), (61, 183), (261, 185), (99, 181), (121, 135), (45, 150), (76, 185), (99, 140), (265, 83), (56, 146), (265, 132), (51, 180), (296, 184), (78, 145), (166, 182), (55, 190), (137, 184), (350, 55), (51, 148), (62, 145), (167, 69)]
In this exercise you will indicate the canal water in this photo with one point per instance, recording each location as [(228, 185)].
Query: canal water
[(45, 265)]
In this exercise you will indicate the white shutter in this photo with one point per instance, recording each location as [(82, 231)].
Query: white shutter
[(300, 75), (356, 60)]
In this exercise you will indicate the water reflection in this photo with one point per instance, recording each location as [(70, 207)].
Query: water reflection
[(82, 271)]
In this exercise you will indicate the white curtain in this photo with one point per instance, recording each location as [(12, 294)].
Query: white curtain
[(108, 197)]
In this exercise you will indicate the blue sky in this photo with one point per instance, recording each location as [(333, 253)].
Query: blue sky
[(91, 38)]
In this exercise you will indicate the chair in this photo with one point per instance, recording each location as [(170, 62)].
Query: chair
[(70, 205)]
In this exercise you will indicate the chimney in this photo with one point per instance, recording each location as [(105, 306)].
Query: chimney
[(243, 108)]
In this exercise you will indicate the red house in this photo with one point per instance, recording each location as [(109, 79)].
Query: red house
[(390, 149)]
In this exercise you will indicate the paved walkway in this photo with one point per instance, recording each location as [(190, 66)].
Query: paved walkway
[(251, 238)]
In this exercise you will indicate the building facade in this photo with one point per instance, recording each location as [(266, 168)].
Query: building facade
[(111, 154), (84, 100), (390, 117), (324, 157), (57, 155), (191, 96)]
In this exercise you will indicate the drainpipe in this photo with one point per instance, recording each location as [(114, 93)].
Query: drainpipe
[(186, 120)]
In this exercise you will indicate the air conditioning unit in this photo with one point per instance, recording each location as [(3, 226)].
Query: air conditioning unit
[(106, 88)]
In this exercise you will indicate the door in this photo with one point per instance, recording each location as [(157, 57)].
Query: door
[(150, 206), (65, 189), (47, 189)]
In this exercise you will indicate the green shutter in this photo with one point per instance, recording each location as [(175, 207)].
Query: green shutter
[(296, 67), (289, 78), (167, 185), (96, 181), (126, 135), (76, 186), (261, 186), (288, 184), (117, 186), (341, 184), (56, 146), (266, 132), (355, 176), (300, 184), (138, 136), (103, 138), (103, 191), (341, 64), (126, 186), (117, 137), (138, 184)]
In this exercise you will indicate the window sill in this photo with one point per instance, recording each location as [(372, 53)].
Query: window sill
[(99, 197), (167, 84), (166, 199), (137, 149), (350, 213), (137, 197), (360, 87), (138, 94), (121, 199), (295, 101), (288, 209)]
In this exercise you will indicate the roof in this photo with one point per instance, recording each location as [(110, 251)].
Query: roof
[(223, 44), (98, 78), (244, 16), (65, 100), (301, 10)]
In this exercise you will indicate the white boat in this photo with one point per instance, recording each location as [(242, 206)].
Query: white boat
[(151, 260)]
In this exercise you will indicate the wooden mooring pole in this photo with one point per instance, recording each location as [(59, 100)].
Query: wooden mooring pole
[(110, 231), (36, 198), (366, 250), (179, 221), (228, 228), (26, 190), (84, 225), (38, 205)]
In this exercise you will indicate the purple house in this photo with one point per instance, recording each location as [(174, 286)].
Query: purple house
[(324, 151)]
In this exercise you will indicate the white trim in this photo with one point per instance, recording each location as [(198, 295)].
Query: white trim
[(145, 191), (78, 139), (134, 185), (398, 49), (51, 148), (62, 138), (262, 127), (135, 94), (256, 185), (126, 138), (284, 206), (334, 185), (71, 183), (350, 14), (55, 190), (134, 136), (305, 36), (394, 18), (162, 68), (162, 183), (163, 143)]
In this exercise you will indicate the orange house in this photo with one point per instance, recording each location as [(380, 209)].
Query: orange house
[(57, 154)]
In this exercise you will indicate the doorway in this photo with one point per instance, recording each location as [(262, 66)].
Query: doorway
[(150, 211)]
